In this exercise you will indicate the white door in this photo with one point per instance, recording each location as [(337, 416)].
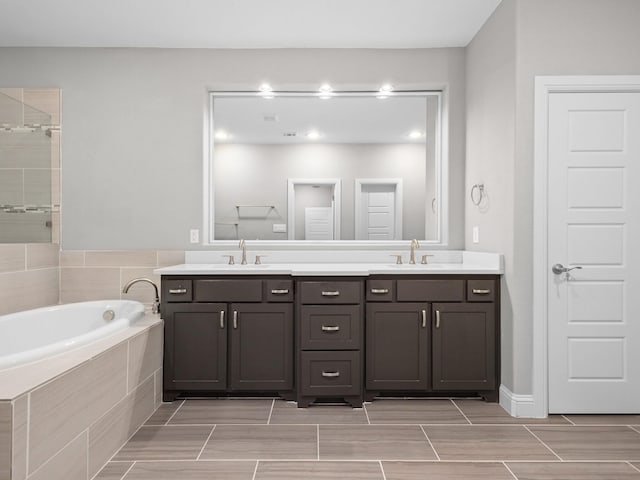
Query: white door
[(318, 223), (594, 224), (378, 209)]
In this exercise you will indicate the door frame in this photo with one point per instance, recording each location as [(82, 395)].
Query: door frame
[(545, 86), (291, 203), (362, 182)]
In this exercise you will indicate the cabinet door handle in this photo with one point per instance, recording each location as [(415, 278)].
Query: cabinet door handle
[(424, 319), (235, 319), (380, 291), (437, 318), (330, 328), (330, 374), (331, 294), (177, 291), (221, 318), (283, 291), (481, 291)]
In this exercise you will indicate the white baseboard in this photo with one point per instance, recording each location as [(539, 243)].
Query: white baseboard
[(517, 405)]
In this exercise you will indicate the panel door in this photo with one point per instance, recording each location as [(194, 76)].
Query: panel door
[(195, 346), (261, 346), (397, 346), (594, 225), (464, 346)]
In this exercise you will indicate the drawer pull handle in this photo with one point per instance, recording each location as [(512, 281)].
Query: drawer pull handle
[(481, 291), (221, 318), (437, 318), (177, 291), (331, 294), (235, 319), (330, 374), (424, 319), (380, 291), (283, 291), (330, 328)]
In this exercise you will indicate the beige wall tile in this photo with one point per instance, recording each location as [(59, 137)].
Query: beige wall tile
[(55, 229), (19, 450), (26, 290), (109, 433), (134, 258), (145, 355), (46, 100), (142, 292), (42, 255), (170, 257), (5, 440), (11, 186), (15, 93), (55, 148), (107, 380), (83, 284), (69, 464), (55, 186), (72, 258), (12, 257), (59, 411), (158, 387), (37, 186)]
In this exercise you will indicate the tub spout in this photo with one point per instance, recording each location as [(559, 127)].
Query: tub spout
[(156, 303)]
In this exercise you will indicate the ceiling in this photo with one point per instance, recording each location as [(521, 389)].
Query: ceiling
[(242, 23)]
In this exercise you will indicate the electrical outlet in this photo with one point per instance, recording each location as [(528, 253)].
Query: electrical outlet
[(476, 234), (194, 235)]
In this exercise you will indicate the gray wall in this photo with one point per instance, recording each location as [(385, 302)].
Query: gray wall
[(551, 37), (257, 175), (133, 125)]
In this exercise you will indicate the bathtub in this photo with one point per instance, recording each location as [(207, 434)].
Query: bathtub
[(43, 332)]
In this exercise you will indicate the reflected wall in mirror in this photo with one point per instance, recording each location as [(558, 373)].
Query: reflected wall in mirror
[(350, 167), (29, 165)]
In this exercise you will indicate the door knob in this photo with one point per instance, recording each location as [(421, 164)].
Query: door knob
[(558, 268)]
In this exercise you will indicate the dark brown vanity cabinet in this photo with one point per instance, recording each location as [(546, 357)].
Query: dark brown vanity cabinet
[(329, 340), (438, 334), (227, 335)]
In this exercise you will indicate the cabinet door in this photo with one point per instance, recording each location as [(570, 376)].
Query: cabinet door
[(464, 352), (261, 343), (195, 346), (397, 346)]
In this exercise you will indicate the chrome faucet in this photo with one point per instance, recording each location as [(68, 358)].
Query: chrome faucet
[(243, 247), (155, 308), (412, 253)]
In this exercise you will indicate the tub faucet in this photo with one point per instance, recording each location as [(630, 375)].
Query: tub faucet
[(156, 303), (412, 253), (243, 247)]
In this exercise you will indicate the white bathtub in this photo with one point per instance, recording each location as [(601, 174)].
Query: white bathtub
[(36, 334)]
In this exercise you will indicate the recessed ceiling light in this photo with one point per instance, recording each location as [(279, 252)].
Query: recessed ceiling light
[(326, 91), (415, 134), (222, 135), (313, 135)]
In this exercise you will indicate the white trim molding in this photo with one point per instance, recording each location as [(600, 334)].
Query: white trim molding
[(544, 87), (517, 405)]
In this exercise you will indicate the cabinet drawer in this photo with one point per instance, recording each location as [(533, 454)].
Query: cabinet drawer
[(330, 327), (330, 373), (481, 290), (177, 291), (430, 290), (380, 290), (330, 292), (228, 290), (278, 290)]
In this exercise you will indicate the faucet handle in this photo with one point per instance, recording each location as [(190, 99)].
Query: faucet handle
[(398, 258), (232, 260), (424, 258), (259, 259)]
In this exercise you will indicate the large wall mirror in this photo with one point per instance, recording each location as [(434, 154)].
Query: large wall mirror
[(348, 166)]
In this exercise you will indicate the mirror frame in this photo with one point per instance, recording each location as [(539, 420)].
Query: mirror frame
[(441, 164)]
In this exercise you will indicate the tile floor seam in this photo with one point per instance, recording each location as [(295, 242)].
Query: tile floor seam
[(384, 475), (127, 472), (364, 407), (174, 413), (318, 440), (568, 420), (546, 446), (273, 402), (460, 410), (510, 471), (634, 467), (205, 443), (255, 470), (633, 428), (429, 440)]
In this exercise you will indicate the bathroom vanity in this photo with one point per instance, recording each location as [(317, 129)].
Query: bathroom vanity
[(316, 331)]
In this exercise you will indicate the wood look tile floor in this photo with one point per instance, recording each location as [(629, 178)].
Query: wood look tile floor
[(388, 439)]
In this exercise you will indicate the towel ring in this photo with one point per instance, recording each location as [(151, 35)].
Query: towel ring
[(476, 198)]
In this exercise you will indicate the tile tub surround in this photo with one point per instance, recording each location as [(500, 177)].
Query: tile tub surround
[(29, 276), (70, 413), (387, 439)]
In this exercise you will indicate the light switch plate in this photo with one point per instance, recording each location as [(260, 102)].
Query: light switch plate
[(194, 235), (476, 234), (279, 228)]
